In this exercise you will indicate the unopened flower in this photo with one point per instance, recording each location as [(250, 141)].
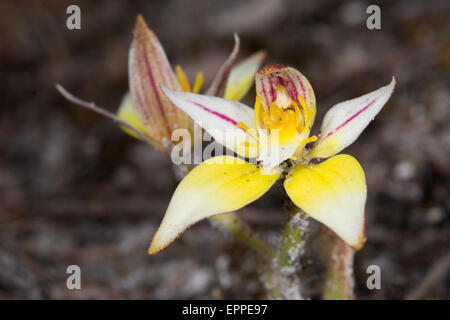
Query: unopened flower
[(276, 133), (149, 110)]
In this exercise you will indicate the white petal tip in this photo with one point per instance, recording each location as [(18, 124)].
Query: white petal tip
[(357, 245), (160, 242), (155, 247), (353, 238), (393, 83)]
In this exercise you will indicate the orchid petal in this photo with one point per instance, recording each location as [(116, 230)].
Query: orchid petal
[(242, 76), (271, 153), (333, 192), (273, 76), (126, 113), (226, 121), (148, 68), (344, 122), (218, 185)]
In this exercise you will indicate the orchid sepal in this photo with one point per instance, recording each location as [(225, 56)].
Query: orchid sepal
[(148, 68), (333, 192), (210, 189)]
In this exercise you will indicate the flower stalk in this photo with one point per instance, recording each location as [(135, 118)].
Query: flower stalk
[(292, 241), (338, 256), (284, 283), (242, 231)]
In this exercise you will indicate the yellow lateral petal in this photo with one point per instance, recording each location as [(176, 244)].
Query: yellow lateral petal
[(126, 113), (333, 192), (242, 75), (218, 185)]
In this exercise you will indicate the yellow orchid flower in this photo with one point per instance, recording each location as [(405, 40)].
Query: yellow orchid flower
[(276, 133), (147, 109)]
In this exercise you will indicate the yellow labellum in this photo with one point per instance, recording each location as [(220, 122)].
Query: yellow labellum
[(285, 116)]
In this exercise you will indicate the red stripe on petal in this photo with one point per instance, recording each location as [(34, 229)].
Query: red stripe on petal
[(218, 114), (351, 118)]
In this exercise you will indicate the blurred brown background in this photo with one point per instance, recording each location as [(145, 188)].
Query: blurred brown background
[(75, 190)]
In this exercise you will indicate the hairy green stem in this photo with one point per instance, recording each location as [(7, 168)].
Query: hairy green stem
[(265, 253), (292, 241), (270, 279), (286, 264), (238, 228)]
